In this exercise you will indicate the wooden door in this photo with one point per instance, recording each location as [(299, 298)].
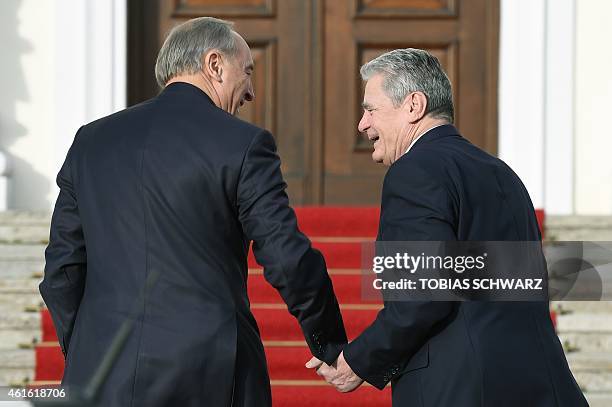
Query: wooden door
[(307, 88), (278, 35), (461, 34)]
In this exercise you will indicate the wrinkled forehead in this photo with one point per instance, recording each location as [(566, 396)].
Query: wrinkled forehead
[(374, 89)]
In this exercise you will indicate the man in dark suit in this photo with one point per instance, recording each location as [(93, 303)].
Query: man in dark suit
[(440, 187), (178, 186)]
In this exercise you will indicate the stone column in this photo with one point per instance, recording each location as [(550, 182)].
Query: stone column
[(4, 172)]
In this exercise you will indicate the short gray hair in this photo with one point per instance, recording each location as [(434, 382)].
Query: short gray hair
[(186, 44), (411, 70)]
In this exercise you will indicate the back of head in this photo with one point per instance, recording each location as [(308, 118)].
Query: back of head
[(411, 70), (188, 42)]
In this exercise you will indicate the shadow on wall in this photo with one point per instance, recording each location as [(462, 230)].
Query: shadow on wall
[(27, 188)]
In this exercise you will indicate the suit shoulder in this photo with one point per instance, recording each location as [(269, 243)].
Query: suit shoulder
[(236, 125), (406, 177), (134, 113), (421, 163)]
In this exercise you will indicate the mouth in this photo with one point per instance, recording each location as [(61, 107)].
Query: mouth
[(373, 138)]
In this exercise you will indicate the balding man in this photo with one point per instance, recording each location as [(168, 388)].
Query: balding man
[(178, 187)]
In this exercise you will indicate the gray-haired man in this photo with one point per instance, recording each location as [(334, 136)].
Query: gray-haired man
[(440, 187), (178, 187)]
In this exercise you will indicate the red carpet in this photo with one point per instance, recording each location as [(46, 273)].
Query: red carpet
[(346, 286), (344, 255), (279, 325), (338, 233)]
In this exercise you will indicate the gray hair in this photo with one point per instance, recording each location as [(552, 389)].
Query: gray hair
[(411, 70), (186, 44)]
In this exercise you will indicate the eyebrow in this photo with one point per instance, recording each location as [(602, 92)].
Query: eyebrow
[(366, 105), (250, 67)]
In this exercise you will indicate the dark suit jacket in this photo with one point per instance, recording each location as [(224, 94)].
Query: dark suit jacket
[(461, 354), (177, 186)]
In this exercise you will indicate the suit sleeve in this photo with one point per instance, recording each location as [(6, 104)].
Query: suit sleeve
[(65, 258), (290, 264), (415, 208)]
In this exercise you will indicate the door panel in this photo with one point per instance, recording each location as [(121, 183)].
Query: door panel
[(361, 31), (404, 8), (224, 8), (275, 32), (308, 91)]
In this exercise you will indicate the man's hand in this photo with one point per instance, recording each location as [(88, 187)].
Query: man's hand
[(314, 363), (339, 374)]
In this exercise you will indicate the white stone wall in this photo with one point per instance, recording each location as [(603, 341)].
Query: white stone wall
[(26, 100), (63, 65), (593, 107), (554, 96)]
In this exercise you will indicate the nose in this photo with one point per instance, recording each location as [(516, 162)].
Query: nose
[(364, 123), (250, 93)]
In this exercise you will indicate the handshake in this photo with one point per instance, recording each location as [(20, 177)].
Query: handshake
[(339, 374)]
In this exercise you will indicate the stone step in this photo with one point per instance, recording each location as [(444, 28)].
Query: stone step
[(599, 399), (13, 339), (12, 309), (18, 302), (561, 228), (21, 217), (12, 376), (563, 307), (19, 321), (31, 292), (24, 234), (579, 228), (592, 370), (24, 227), (586, 342), (584, 322), (595, 382), (20, 268), (19, 285), (17, 358), (590, 361), (26, 251)]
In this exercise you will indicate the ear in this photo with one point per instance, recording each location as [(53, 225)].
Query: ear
[(415, 105), (213, 65)]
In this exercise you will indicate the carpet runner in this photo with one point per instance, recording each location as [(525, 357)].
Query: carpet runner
[(338, 233)]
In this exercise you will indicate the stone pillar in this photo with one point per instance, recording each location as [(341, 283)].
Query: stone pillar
[(4, 172)]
